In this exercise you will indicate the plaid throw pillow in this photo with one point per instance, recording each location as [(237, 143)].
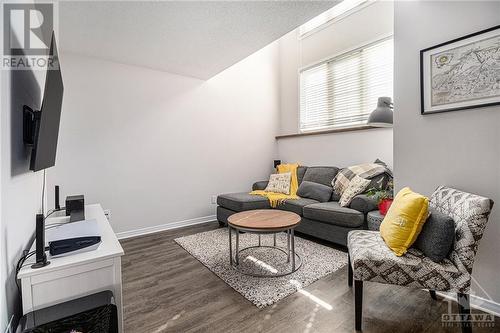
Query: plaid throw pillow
[(366, 171)]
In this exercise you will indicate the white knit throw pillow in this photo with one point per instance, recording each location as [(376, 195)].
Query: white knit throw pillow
[(356, 186), (279, 183)]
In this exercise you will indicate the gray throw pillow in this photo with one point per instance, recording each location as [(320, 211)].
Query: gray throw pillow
[(437, 236), (310, 190), (363, 203)]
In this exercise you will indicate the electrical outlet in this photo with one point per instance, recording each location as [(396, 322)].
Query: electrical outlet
[(214, 199), (107, 213)]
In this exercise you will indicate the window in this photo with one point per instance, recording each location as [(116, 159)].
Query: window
[(342, 91), (336, 12)]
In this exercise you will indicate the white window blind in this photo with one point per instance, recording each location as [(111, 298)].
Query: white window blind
[(342, 91)]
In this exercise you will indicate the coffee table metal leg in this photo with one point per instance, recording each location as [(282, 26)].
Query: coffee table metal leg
[(230, 247), (237, 254), (293, 251), (288, 245), (296, 260)]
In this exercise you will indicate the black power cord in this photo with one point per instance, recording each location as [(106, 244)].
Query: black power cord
[(27, 254), (53, 225), (43, 193), (21, 261), (54, 211), (20, 264)]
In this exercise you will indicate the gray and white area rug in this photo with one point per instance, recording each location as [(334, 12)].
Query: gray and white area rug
[(211, 248)]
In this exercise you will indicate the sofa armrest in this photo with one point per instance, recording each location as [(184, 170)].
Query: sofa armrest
[(260, 185), (363, 203)]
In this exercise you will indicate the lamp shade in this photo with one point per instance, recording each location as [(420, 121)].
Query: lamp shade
[(382, 115)]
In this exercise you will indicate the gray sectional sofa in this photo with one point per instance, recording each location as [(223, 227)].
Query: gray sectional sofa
[(325, 220)]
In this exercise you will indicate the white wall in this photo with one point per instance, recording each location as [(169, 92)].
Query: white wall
[(155, 147), (364, 26), (338, 149), (20, 188), (459, 149)]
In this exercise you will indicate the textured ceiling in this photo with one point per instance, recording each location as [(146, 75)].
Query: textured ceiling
[(193, 38)]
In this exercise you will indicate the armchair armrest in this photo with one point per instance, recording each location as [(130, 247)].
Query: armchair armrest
[(363, 203), (260, 185)]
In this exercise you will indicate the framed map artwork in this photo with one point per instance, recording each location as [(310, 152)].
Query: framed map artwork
[(463, 73)]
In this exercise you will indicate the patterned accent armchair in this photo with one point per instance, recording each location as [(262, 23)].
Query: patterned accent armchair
[(371, 260)]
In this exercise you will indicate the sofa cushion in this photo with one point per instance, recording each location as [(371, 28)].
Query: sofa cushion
[(223, 214), (301, 170), (296, 205), (319, 192), (335, 196), (331, 212), (321, 175), (242, 201)]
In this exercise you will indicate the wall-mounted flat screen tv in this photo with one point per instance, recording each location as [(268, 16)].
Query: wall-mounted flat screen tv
[(44, 150)]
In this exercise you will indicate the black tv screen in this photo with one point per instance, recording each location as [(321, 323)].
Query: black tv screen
[(44, 150)]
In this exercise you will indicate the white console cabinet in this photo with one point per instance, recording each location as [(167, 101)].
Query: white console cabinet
[(76, 275)]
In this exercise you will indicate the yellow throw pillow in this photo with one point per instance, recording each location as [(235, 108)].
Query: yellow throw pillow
[(404, 220)]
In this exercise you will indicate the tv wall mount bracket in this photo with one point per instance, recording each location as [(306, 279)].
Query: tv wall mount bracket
[(31, 119)]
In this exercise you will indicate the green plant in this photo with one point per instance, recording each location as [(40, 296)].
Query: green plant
[(380, 195)]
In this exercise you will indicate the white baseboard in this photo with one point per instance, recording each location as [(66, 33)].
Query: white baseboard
[(166, 226), (477, 302)]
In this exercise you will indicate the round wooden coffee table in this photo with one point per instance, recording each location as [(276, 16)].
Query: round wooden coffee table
[(265, 221)]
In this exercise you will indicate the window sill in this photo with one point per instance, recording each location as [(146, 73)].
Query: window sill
[(336, 130)]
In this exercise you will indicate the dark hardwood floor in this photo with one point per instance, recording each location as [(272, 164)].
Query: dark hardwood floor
[(165, 289)]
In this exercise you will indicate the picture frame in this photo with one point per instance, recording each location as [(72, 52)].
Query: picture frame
[(460, 74)]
